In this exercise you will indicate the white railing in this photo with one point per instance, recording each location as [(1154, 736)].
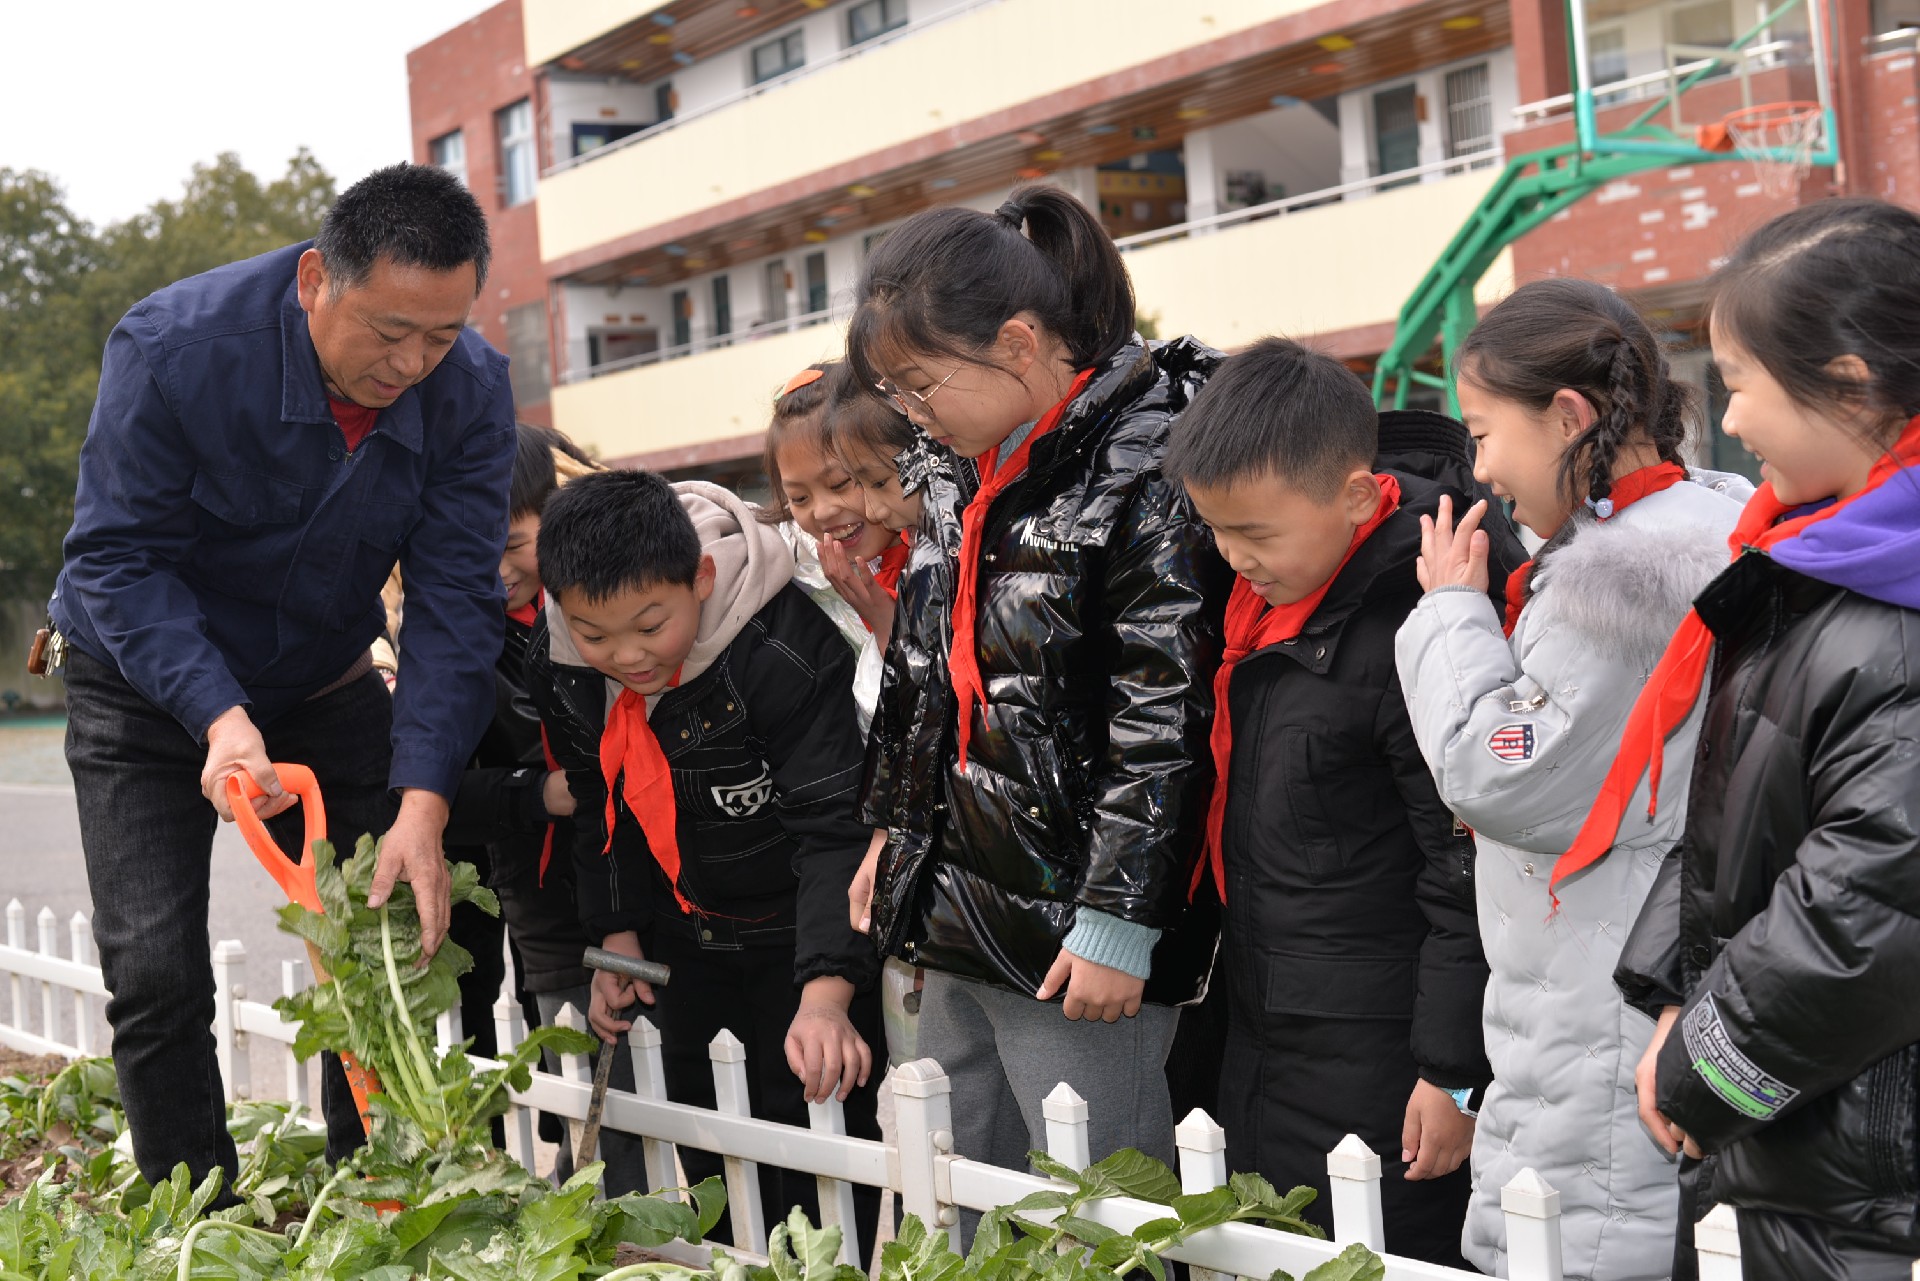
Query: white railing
[(765, 86), (1307, 199), (931, 1180), (706, 340), (1667, 79)]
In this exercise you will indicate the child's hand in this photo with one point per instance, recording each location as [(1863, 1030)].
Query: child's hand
[(555, 796), (1093, 991), (860, 893), (613, 993), (1437, 1135), (822, 1048), (849, 576), (1670, 1137), (1451, 557)]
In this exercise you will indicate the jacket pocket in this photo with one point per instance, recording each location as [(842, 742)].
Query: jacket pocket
[(245, 500), (1893, 1129), (386, 525), (1341, 987), (1312, 834)]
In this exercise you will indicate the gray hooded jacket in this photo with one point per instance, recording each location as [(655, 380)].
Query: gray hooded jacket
[(1519, 734)]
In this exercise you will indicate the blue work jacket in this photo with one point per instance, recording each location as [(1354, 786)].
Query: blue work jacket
[(227, 550)]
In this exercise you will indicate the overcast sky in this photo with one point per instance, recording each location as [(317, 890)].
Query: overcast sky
[(118, 99)]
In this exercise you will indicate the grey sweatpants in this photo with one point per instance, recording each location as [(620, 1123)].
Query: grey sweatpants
[(1004, 1052)]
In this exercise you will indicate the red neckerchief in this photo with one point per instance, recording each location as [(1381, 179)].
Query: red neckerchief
[(995, 476), (892, 561), (1626, 491), (1670, 692), (527, 612), (631, 754), (1252, 625)]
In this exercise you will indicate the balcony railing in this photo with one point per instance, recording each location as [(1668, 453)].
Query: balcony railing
[(1655, 83), (707, 340), (1309, 199), (769, 86)]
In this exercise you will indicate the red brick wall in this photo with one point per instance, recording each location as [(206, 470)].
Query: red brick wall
[(458, 81), (1890, 159)]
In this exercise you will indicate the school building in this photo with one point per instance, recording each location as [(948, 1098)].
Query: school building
[(683, 193)]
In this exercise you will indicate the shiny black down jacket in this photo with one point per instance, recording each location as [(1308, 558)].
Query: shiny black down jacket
[(1099, 631), (1789, 917)]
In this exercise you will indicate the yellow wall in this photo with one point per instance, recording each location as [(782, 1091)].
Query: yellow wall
[(990, 59), (554, 27), (1317, 271), (1314, 272), (712, 396)]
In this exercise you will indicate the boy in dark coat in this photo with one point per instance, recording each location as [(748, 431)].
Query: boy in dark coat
[(1350, 953), (702, 707)]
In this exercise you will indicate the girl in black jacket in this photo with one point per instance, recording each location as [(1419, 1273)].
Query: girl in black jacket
[(1038, 769), (1779, 947)]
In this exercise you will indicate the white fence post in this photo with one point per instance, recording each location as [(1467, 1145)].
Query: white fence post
[(17, 939), (923, 1112), (80, 937), (50, 948), (1532, 1210), (229, 989), (574, 1067), (743, 1177), (447, 1030), (836, 1197), (1353, 1178), (1203, 1153), (1717, 1238), (1066, 1115), (293, 980), (650, 1082), (509, 1029)]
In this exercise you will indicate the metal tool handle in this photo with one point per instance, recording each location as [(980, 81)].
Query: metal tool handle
[(650, 972)]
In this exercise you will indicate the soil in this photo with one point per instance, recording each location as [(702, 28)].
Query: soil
[(28, 1164)]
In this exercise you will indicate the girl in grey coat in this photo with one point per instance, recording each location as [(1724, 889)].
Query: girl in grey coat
[(1577, 422)]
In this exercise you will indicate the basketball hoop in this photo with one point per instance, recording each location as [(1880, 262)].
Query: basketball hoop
[(1777, 138)]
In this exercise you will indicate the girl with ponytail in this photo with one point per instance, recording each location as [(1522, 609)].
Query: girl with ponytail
[(1578, 422), (1038, 771)]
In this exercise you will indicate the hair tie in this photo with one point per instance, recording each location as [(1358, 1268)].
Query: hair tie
[(1600, 507), (1013, 213), (805, 378)]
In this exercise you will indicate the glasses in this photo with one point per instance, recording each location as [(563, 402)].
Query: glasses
[(899, 394)]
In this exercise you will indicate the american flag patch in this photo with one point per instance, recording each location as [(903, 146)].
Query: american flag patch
[(1511, 743)]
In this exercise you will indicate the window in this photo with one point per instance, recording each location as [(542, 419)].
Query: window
[(531, 370), (1895, 15), (449, 151), (722, 306), (777, 290), (1705, 26), (873, 18), (1607, 54), (664, 101), (777, 57), (517, 168), (596, 134), (1469, 110), (816, 283), (682, 304), (1396, 130)]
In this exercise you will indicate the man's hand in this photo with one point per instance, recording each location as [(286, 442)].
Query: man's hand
[(1671, 1138), (824, 1051), (1093, 991), (1450, 556), (612, 993), (850, 577), (233, 744), (1436, 1136), (860, 893), (411, 852), (555, 796)]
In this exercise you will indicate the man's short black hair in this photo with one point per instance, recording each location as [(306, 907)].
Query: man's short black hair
[(1277, 409), (616, 531), (411, 215)]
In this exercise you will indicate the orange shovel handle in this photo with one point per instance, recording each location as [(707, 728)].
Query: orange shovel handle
[(296, 878)]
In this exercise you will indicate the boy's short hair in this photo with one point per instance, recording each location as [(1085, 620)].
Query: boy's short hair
[(616, 531), (1277, 409)]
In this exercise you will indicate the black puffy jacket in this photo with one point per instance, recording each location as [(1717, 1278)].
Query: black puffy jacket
[(1099, 619), (1789, 917), (765, 751)]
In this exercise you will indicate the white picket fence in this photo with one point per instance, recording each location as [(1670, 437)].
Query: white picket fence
[(920, 1166)]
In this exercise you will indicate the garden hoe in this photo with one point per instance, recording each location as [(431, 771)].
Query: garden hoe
[(649, 972)]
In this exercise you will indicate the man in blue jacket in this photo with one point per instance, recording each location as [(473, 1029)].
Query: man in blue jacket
[(269, 438)]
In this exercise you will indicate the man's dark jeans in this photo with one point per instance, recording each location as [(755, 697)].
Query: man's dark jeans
[(148, 837)]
